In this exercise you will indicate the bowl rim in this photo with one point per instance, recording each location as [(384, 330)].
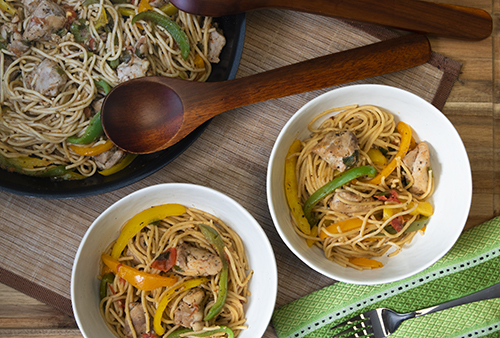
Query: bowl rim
[(271, 266), (271, 168)]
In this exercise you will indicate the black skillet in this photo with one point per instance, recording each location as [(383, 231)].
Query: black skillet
[(144, 165)]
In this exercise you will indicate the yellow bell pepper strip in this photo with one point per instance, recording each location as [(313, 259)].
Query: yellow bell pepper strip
[(291, 189), (106, 279), (198, 62), (207, 333), (330, 187), (102, 20), (22, 165), (366, 262), (423, 208), (405, 132), (389, 212), (377, 157), (314, 233), (142, 219), (214, 239), (119, 166), (4, 6), (92, 151), (169, 9), (413, 143), (126, 11), (139, 279), (345, 226), (170, 26), (144, 6), (169, 295)]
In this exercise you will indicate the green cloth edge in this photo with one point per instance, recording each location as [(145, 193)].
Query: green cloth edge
[(463, 249)]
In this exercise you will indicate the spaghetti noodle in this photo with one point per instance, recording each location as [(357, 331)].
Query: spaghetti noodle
[(185, 245), (52, 55), (361, 218)]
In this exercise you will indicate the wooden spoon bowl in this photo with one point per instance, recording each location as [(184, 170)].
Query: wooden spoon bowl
[(450, 21), (149, 114)]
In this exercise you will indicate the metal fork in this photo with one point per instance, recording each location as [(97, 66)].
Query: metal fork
[(382, 322)]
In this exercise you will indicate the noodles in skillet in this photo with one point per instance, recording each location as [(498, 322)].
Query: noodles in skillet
[(181, 250), (58, 60), (352, 217)]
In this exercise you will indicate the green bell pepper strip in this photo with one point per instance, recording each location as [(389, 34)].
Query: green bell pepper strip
[(104, 85), (94, 128), (330, 187), (171, 26), (415, 226), (221, 329), (92, 132), (80, 31), (106, 279), (214, 238)]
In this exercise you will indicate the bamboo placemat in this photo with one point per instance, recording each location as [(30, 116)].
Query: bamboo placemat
[(39, 237)]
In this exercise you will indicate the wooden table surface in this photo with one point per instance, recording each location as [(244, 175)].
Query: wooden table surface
[(473, 107)]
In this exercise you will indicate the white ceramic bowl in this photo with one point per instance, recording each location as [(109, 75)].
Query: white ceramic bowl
[(106, 228), (453, 191)]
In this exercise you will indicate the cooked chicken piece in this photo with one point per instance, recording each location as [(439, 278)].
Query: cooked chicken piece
[(17, 45), (109, 158), (158, 3), (97, 105), (193, 261), (47, 78), (339, 148), (10, 33), (7, 62), (138, 317), (47, 18), (141, 46), (360, 204), (30, 5), (418, 161), (132, 69), (216, 41), (189, 313)]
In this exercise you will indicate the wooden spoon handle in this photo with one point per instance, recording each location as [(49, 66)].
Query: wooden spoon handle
[(355, 64), (351, 65), (445, 20)]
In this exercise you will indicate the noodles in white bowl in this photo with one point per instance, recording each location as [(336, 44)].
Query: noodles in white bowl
[(451, 176), (202, 261), (360, 219), (248, 306)]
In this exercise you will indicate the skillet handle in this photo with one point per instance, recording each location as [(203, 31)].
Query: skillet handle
[(451, 21)]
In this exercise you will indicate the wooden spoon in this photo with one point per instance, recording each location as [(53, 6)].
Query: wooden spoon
[(149, 114), (417, 16)]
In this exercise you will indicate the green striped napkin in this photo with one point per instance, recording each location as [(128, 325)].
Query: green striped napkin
[(471, 265)]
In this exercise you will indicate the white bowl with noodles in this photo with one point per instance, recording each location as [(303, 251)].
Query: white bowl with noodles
[(106, 228), (451, 198)]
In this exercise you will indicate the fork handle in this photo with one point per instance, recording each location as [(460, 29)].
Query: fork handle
[(488, 293)]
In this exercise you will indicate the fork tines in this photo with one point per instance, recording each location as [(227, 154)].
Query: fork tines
[(356, 327)]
